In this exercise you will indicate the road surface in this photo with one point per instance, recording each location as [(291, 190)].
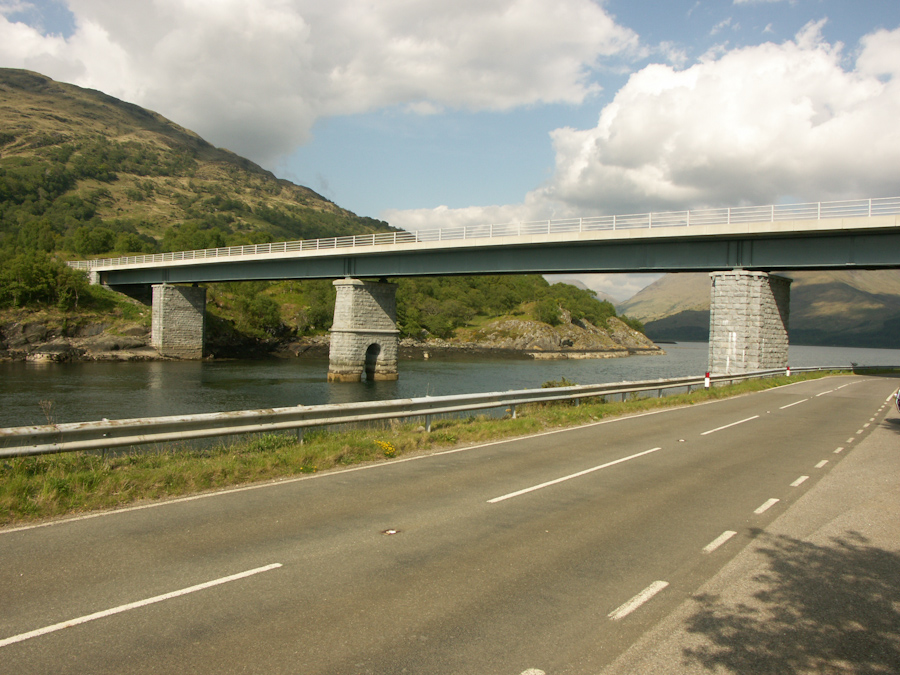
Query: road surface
[(554, 553)]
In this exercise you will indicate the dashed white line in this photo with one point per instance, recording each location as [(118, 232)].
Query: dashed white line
[(793, 404), (733, 424), (799, 481), (765, 507), (718, 541), (867, 425), (838, 451), (133, 605), (570, 476), (822, 464), (825, 392), (850, 440), (638, 600)]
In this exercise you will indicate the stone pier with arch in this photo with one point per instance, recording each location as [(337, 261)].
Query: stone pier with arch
[(364, 335)]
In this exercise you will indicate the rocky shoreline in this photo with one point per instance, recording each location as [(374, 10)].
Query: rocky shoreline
[(45, 342)]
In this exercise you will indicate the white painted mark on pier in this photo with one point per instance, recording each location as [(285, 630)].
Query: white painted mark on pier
[(765, 507), (133, 605), (718, 541), (638, 600)]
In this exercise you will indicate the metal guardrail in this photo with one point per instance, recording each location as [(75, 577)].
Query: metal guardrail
[(106, 434), (888, 206)]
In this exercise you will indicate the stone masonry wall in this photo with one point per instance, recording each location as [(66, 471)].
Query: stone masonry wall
[(177, 324), (364, 315), (748, 322)]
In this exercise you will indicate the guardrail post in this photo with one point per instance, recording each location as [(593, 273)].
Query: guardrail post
[(650, 220), (773, 214), (428, 423), (581, 224), (300, 435), (729, 216), (870, 207), (512, 409), (614, 222)]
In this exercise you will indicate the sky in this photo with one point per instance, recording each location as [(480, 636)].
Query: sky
[(427, 112)]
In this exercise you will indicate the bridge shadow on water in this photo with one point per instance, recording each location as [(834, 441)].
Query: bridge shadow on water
[(816, 609)]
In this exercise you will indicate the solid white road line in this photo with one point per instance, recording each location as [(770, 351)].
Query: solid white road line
[(765, 507), (825, 392), (733, 424), (638, 600), (799, 481), (718, 541), (570, 476), (793, 404), (133, 605), (822, 463)]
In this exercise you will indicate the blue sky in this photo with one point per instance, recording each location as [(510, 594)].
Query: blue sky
[(424, 112)]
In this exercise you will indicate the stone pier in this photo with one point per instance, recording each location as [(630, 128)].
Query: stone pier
[(178, 321), (748, 322), (364, 335)]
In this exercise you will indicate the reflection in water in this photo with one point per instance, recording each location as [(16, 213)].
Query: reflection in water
[(89, 391)]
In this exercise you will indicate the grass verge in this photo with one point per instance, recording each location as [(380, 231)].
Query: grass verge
[(35, 488)]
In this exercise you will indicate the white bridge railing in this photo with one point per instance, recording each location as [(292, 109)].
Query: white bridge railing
[(858, 208), (107, 434)]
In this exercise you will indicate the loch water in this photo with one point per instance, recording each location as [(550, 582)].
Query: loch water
[(32, 393)]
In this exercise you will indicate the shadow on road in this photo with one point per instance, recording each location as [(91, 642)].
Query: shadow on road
[(822, 609), (893, 423)]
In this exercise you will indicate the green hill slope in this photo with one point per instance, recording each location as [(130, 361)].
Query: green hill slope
[(87, 174)]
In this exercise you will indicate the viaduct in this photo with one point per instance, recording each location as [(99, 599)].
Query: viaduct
[(742, 248)]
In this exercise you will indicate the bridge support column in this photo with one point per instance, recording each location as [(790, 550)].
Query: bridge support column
[(364, 335), (177, 325), (748, 322)]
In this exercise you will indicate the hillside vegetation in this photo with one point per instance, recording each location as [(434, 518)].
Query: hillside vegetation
[(83, 174)]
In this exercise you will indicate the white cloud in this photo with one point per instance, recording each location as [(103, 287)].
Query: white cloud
[(254, 75), (753, 125)]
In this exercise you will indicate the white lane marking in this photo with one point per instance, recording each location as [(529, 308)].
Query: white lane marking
[(849, 440), (765, 507), (638, 600), (569, 477), (867, 425), (859, 431), (133, 605), (799, 481), (826, 392), (718, 541), (733, 424), (838, 451), (822, 463), (793, 404), (533, 671)]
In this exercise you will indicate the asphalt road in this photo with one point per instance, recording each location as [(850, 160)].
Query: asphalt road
[(553, 553)]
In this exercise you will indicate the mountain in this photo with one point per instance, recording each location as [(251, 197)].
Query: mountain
[(85, 173), (858, 308)]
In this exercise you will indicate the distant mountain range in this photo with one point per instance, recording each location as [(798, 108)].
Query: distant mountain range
[(847, 308)]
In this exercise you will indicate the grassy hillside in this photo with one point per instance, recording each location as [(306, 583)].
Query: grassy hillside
[(849, 308), (85, 174)]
